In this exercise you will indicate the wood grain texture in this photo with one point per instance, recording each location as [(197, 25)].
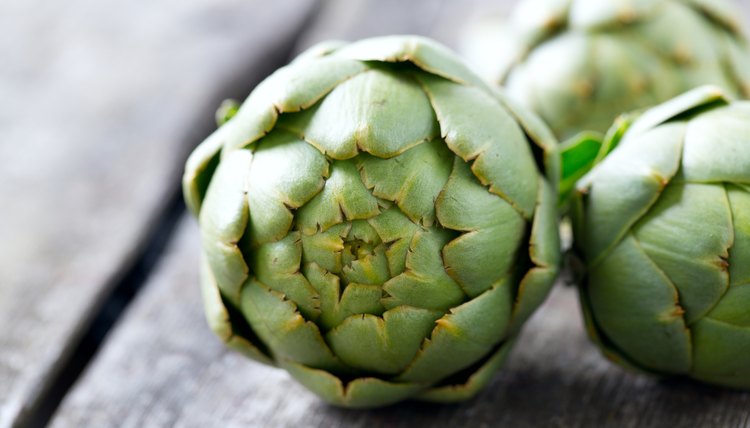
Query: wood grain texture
[(442, 20), (101, 103), (163, 367)]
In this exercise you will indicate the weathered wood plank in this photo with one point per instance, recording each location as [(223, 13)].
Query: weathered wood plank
[(101, 102), (442, 20), (163, 367)]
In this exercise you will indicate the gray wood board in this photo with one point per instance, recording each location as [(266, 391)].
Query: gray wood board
[(442, 20), (101, 102), (163, 367)]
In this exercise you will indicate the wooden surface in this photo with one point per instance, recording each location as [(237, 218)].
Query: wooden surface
[(442, 20), (101, 102)]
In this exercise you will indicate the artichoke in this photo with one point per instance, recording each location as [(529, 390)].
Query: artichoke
[(580, 63), (662, 226), (377, 221)]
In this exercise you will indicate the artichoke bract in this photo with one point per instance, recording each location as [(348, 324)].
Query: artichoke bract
[(580, 63), (377, 221), (663, 228)]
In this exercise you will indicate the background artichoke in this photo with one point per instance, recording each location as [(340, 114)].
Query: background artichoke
[(377, 221), (663, 226), (580, 63)]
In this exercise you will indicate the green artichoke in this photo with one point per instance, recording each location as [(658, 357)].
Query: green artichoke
[(580, 63), (377, 221), (662, 225)]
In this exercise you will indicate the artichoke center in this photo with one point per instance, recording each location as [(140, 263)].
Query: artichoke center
[(356, 250), (352, 250)]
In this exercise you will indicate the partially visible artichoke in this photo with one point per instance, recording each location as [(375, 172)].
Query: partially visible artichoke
[(580, 63), (663, 227), (377, 221)]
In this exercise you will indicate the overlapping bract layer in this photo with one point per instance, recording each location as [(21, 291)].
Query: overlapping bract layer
[(580, 63), (663, 224), (377, 221)]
